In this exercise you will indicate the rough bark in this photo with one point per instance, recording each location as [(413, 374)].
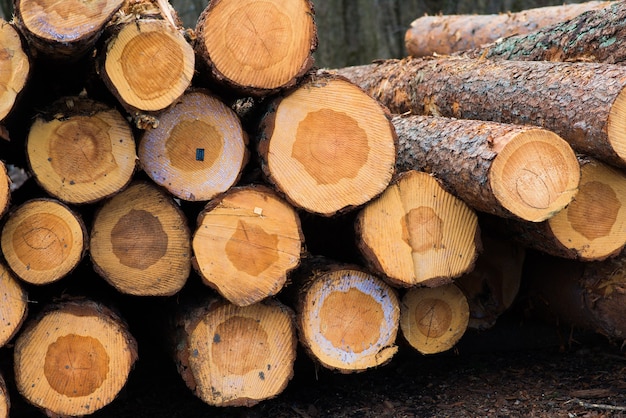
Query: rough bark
[(581, 102), (507, 170), (447, 34), (43, 240), (327, 146), (417, 233), (5, 401), (14, 306), (73, 358), (246, 242), (140, 242)]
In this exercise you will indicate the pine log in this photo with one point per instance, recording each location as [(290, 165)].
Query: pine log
[(446, 34), (581, 102), (198, 150), (512, 171), (13, 305), (256, 47), (433, 320), (140, 242), (5, 401), (64, 30), (494, 283), (16, 67), (43, 240), (73, 358), (81, 151), (594, 36), (417, 233), (230, 355), (347, 318), (5, 189), (328, 146), (246, 242)]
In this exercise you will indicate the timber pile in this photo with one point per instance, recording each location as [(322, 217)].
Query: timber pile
[(158, 156)]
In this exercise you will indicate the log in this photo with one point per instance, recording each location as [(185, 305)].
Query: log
[(140, 242), (73, 358), (64, 30), (347, 318), (581, 102), (5, 189), (327, 146), (43, 240), (433, 320), (507, 170), (246, 243), (417, 233), (81, 151), (14, 306), (198, 150), (257, 47), (232, 355), (16, 67), (5, 401), (447, 34)]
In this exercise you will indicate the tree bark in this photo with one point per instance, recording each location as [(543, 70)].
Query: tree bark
[(257, 47), (140, 242), (73, 358), (507, 170), (347, 318), (447, 34), (327, 146), (246, 243), (433, 320), (198, 150), (81, 151), (5, 401), (14, 306), (581, 102), (417, 233), (16, 67), (230, 355), (43, 240)]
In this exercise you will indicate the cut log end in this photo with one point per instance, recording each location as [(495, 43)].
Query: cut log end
[(348, 320), (15, 67), (535, 175), (430, 235), (43, 240), (74, 358), (616, 125), (14, 306), (237, 356)]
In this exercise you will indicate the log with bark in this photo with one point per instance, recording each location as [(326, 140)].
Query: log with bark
[(16, 67), (507, 170), (13, 305), (418, 233), (5, 401), (446, 34), (246, 242), (232, 355), (327, 146), (581, 102), (256, 47), (140, 242), (73, 358), (43, 240)]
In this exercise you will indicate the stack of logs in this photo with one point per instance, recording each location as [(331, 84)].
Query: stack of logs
[(342, 210)]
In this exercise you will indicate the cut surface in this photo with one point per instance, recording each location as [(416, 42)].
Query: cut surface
[(14, 67), (13, 305), (616, 125)]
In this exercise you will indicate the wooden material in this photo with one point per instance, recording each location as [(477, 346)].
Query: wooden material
[(5, 189), (328, 146), (246, 242), (73, 358), (81, 151), (15, 65), (507, 170), (417, 233), (13, 306), (446, 34), (147, 64), (43, 240), (198, 150), (494, 283), (583, 103), (230, 355), (5, 402), (64, 30), (257, 46), (433, 320), (347, 318), (140, 242)]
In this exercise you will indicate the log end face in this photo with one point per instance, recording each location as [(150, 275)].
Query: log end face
[(14, 305), (15, 66), (616, 127)]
